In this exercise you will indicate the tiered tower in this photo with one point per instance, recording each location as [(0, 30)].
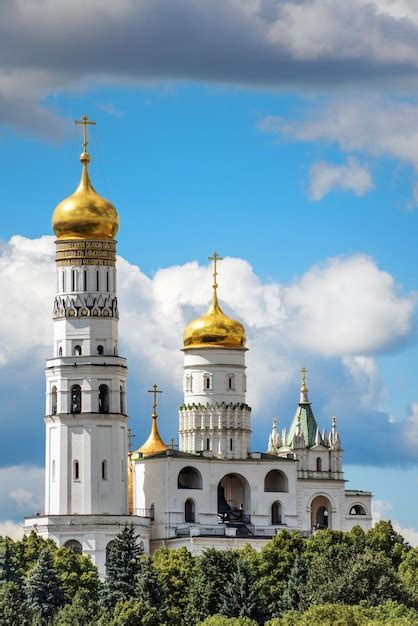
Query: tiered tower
[(214, 418), (86, 417)]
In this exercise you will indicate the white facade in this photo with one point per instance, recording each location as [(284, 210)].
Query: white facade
[(214, 416)]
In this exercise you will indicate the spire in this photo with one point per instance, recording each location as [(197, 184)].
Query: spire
[(335, 441), (154, 444), (85, 182), (304, 399), (274, 440), (304, 419)]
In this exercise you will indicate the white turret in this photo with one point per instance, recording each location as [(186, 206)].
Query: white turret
[(214, 417)]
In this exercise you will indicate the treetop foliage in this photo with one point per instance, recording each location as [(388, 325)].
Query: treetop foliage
[(330, 578)]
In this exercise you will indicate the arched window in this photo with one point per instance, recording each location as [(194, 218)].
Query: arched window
[(189, 511), (74, 281), (208, 444), (189, 478), (357, 509), (103, 399), (152, 512), (107, 280), (207, 381), (109, 549), (231, 382), (100, 350), (77, 350), (76, 399), (276, 480), (276, 513), (74, 545), (63, 280), (121, 400), (84, 280), (322, 516), (60, 351), (76, 470), (319, 464), (104, 470), (97, 280), (231, 445), (54, 400)]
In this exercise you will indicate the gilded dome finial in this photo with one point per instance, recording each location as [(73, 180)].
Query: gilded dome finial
[(85, 214), (154, 444), (214, 329)]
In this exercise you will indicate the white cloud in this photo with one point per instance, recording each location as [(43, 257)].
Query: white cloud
[(325, 177), (374, 126), (334, 319), (347, 306), (21, 490), (11, 529), (381, 509)]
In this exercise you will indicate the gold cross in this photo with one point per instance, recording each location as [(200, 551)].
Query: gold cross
[(304, 372), (215, 258), (154, 390), (85, 122), (131, 437)]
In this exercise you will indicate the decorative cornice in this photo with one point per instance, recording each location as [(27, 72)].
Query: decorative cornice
[(85, 252), (85, 305), (215, 407)]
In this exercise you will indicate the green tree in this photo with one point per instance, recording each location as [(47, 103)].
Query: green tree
[(175, 569), (43, 589), (122, 567), (77, 573), (133, 612), (149, 587), (239, 597), (383, 538), (13, 611), (28, 550), (222, 620), (294, 593), (82, 611), (274, 564), (8, 569), (408, 573), (387, 614), (214, 569)]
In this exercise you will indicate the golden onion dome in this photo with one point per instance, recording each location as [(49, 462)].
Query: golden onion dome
[(154, 444), (85, 214), (214, 329)]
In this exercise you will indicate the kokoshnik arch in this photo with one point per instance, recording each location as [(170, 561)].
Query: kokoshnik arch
[(211, 489)]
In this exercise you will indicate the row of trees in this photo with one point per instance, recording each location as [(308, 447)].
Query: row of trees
[(330, 578)]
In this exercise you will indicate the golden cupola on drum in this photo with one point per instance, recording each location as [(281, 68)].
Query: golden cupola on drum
[(214, 329), (85, 214)]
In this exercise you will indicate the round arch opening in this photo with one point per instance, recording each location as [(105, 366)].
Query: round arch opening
[(321, 513), (276, 481), (189, 478), (234, 498), (74, 545)]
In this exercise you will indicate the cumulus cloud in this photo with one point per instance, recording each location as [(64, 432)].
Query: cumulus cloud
[(375, 126), (11, 529), (335, 319), (382, 510), (21, 491), (257, 42), (325, 177)]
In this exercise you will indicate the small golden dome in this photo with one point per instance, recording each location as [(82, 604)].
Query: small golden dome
[(85, 214), (214, 329), (154, 444)]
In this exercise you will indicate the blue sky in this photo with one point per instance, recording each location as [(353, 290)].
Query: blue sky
[(298, 161)]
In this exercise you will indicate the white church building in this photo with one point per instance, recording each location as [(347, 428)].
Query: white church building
[(211, 489)]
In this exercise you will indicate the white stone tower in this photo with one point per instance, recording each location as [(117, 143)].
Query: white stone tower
[(86, 478), (214, 418)]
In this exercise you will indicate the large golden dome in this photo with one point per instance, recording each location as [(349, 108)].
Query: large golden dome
[(214, 329), (85, 214)]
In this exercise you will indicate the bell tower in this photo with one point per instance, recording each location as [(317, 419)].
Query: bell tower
[(86, 473), (214, 418)]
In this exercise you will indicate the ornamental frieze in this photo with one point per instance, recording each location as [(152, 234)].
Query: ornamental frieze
[(85, 252), (85, 305)]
